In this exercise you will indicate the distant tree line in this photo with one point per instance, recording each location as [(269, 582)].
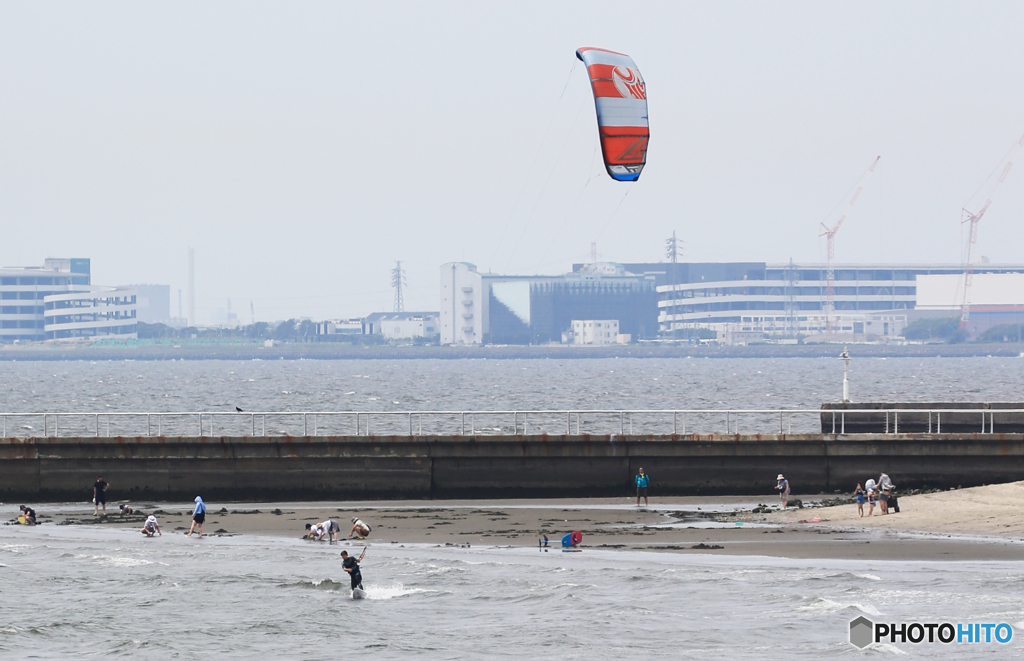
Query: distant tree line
[(291, 330)]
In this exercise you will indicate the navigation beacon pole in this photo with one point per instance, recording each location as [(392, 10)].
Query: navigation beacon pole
[(845, 357)]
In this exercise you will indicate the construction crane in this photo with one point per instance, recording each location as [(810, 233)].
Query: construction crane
[(830, 289), (966, 216)]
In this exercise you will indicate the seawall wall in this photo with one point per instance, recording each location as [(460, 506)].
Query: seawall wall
[(423, 467)]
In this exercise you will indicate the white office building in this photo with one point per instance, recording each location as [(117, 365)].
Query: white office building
[(595, 331), (58, 300), (754, 300), (91, 312)]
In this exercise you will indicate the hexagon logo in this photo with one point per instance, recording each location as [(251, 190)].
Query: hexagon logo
[(861, 631)]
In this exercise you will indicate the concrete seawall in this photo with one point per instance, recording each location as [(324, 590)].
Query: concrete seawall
[(373, 467)]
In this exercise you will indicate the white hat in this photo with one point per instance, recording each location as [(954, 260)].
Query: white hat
[(780, 477), (354, 519)]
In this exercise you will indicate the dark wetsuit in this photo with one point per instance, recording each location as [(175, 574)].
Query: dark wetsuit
[(355, 575)]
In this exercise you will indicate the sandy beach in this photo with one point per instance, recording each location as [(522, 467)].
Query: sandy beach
[(984, 523)]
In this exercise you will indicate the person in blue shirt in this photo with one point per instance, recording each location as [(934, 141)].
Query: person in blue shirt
[(198, 517), (783, 488), (642, 480)]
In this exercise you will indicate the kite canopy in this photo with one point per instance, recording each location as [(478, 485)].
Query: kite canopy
[(620, 96)]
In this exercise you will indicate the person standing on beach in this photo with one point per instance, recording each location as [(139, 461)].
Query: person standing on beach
[(198, 517), (859, 493), (351, 566), (885, 488), (642, 480), (783, 489), (870, 487), (99, 495)]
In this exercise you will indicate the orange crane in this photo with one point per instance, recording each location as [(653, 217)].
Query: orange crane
[(830, 290), (967, 216)]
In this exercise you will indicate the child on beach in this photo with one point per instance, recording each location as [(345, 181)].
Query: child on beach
[(859, 493), (872, 494)]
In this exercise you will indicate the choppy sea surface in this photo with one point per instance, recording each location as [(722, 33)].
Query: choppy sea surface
[(80, 592), (455, 385)]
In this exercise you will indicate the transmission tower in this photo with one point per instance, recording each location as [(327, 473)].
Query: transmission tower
[(672, 249), (398, 281)]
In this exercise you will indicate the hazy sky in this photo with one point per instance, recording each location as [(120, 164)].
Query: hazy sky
[(303, 148)]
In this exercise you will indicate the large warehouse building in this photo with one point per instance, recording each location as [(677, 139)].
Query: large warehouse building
[(484, 308)]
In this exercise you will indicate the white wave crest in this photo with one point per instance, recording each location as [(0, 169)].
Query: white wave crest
[(823, 605), (379, 592)]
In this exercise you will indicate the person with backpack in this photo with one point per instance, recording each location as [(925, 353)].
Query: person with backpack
[(642, 481)]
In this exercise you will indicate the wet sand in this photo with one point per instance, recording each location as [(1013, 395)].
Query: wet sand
[(720, 525)]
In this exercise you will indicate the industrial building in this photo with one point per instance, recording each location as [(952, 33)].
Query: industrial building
[(59, 301), (757, 298), (485, 308), (153, 303), (401, 325)]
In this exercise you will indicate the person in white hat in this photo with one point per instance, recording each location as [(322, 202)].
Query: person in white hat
[(359, 529), (783, 489)]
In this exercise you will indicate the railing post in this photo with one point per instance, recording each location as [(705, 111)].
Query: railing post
[(631, 423), (684, 423), (463, 423), (780, 421), (200, 424), (56, 423), (728, 423), (515, 422), (896, 422), (674, 426), (622, 428), (568, 424), (305, 425), (159, 425), (316, 420), (252, 416), (842, 416), (982, 424), (472, 424), (578, 432), (149, 425), (887, 422), (833, 422), (410, 423), (420, 419), (929, 422), (938, 420)]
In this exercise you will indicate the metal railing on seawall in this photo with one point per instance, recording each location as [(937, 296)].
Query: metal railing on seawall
[(477, 423)]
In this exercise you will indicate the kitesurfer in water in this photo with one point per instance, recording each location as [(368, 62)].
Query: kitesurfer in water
[(351, 565)]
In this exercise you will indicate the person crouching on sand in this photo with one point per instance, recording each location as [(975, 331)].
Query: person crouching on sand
[(783, 488), (859, 493), (198, 517), (359, 529), (151, 527)]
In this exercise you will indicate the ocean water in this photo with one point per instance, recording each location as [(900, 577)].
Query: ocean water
[(81, 592), (453, 385), (86, 592)]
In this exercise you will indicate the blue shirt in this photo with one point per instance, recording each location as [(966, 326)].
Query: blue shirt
[(642, 480)]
